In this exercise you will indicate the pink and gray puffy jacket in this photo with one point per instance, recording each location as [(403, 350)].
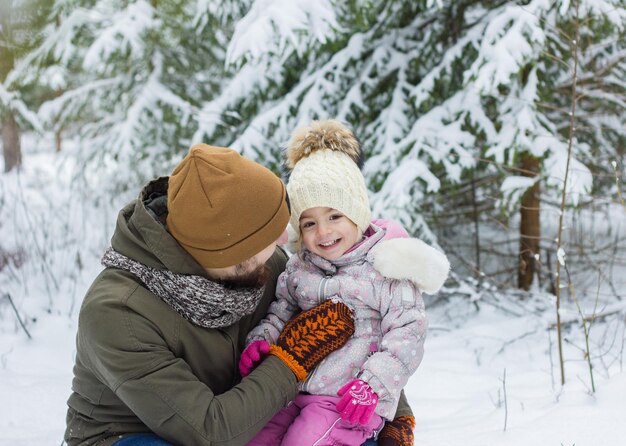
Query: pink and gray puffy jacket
[(380, 280)]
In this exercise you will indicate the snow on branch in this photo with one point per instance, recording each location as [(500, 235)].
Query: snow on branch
[(278, 27), (148, 99), (59, 44), (11, 100), (307, 97), (244, 84), (510, 37), (579, 180), (223, 12), (69, 104), (124, 32)]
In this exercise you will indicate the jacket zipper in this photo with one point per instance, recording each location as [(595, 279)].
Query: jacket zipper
[(321, 291)]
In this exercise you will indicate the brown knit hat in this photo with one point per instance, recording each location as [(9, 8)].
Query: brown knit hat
[(224, 208)]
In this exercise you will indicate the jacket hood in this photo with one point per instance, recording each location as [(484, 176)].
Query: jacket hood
[(141, 235), (412, 259)]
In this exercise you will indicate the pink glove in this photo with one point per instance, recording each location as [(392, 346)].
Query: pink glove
[(251, 355), (357, 402)]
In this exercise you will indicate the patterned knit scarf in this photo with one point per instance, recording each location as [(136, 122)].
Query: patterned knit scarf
[(199, 300)]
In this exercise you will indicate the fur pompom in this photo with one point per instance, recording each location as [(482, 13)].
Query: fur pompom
[(320, 135), (411, 258)]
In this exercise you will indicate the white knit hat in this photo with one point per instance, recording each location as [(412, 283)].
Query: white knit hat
[(323, 158)]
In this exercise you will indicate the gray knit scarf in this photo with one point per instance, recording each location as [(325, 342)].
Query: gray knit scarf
[(199, 300)]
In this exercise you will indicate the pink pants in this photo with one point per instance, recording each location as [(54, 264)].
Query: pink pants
[(313, 420)]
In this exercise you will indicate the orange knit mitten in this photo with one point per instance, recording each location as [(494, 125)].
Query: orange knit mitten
[(312, 335), (398, 432)]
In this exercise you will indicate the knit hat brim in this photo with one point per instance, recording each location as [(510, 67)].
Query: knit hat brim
[(246, 248), (223, 208)]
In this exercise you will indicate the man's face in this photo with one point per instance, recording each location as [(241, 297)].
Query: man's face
[(251, 273)]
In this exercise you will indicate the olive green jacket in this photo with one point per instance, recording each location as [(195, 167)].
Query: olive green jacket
[(141, 367)]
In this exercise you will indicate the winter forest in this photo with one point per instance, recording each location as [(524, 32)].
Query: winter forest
[(493, 130)]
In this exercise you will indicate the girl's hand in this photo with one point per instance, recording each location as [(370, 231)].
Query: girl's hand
[(252, 355), (357, 402)]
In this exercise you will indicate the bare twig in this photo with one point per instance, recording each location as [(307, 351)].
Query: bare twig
[(570, 142), (506, 408), (17, 314), (586, 324), (476, 227), (621, 353), (551, 361), (617, 183), (512, 341), (590, 318)]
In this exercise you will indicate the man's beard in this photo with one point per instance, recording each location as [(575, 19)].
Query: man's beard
[(257, 278)]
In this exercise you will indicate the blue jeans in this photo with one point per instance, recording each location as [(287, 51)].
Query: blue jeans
[(142, 440), (153, 440)]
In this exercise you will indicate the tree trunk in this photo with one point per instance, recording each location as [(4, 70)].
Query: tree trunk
[(58, 140), (11, 142), (10, 131), (530, 229)]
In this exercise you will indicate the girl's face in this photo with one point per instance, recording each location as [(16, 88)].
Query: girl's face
[(327, 232)]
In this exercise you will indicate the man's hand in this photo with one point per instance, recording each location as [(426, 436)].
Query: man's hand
[(312, 335), (398, 432)]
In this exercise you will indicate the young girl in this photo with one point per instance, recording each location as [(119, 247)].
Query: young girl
[(344, 256)]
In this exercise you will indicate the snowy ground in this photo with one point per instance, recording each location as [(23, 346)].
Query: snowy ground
[(460, 394)]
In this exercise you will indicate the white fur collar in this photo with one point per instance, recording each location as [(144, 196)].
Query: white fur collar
[(411, 258)]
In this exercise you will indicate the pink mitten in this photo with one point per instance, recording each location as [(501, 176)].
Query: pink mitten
[(251, 355), (357, 402)]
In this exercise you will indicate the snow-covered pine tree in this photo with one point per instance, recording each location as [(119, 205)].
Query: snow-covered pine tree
[(20, 32), (439, 92), (600, 127), (134, 73), (449, 98)]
